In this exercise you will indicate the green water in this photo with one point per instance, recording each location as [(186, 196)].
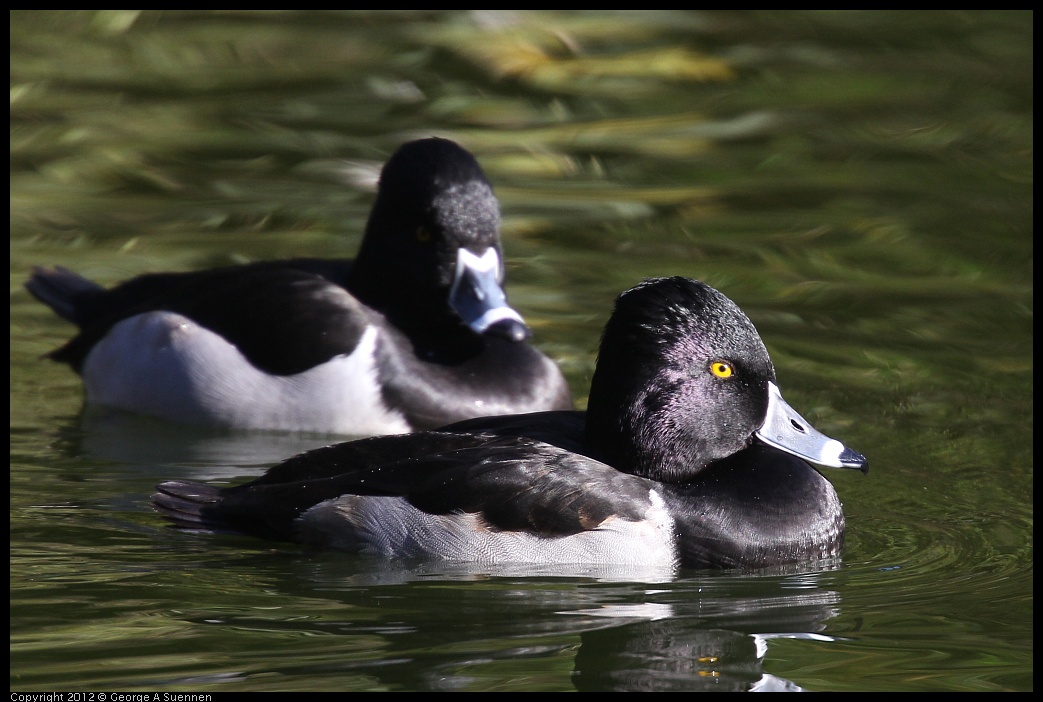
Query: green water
[(860, 183)]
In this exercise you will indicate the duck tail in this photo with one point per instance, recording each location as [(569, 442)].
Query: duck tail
[(59, 288), (186, 504)]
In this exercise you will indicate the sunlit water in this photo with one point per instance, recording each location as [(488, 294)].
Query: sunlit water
[(860, 183)]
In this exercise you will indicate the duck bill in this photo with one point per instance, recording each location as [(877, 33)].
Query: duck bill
[(477, 296), (787, 431)]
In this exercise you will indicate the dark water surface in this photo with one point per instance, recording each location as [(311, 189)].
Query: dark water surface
[(860, 183)]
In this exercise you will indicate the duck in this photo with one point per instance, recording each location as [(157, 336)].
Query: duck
[(687, 456), (414, 333)]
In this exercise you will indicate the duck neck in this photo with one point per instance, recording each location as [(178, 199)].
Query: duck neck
[(634, 435)]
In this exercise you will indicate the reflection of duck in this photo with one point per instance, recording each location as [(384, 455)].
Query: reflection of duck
[(197, 452), (416, 333), (663, 656), (662, 469), (713, 636)]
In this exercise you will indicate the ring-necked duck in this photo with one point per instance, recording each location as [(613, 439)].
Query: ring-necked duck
[(416, 333), (687, 455)]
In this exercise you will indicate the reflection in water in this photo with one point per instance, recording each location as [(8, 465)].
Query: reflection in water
[(417, 624), (715, 642), (691, 651), (670, 657), (202, 453)]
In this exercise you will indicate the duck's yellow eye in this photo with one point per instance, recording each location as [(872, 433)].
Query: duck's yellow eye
[(722, 369), (423, 234)]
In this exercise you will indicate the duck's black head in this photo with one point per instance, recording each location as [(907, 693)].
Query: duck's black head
[(432, 244), (681, 381), (684, 380)]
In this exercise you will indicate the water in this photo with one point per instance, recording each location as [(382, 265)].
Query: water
[(860, 183)]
